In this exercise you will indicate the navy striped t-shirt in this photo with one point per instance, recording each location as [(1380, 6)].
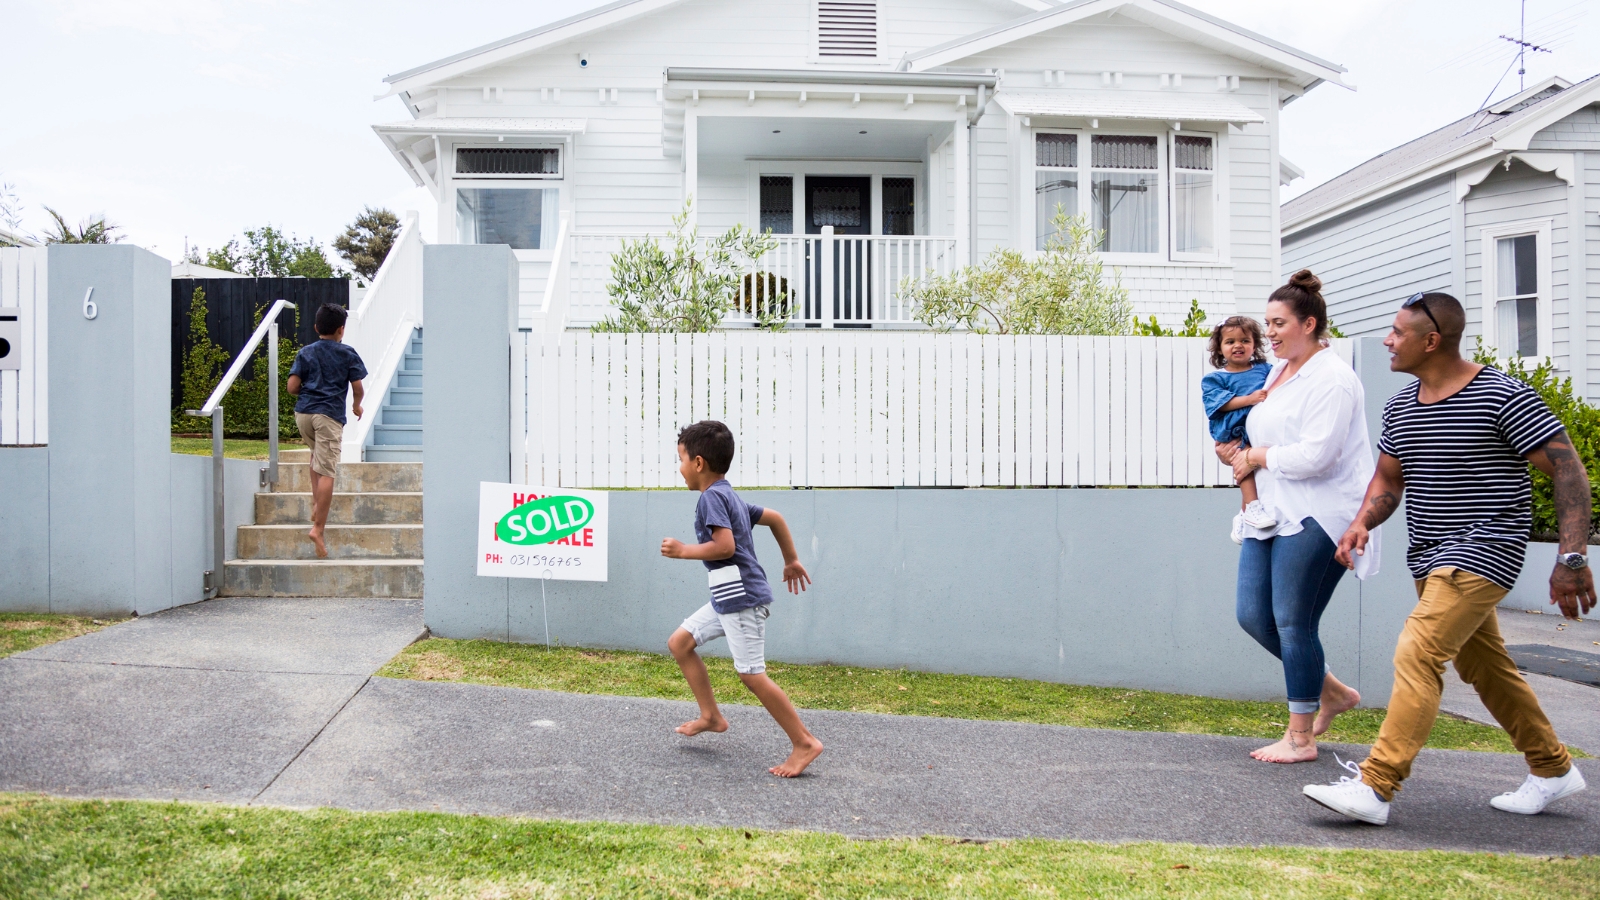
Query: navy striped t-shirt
[(1469, 501), (737, 582)]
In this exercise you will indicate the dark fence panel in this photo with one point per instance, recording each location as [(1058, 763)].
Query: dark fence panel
[(232, 305)]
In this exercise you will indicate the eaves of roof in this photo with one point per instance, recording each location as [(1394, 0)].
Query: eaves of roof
[(1313, 68), (1464, 142)]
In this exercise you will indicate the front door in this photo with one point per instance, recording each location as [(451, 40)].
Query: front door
[(846, 204)]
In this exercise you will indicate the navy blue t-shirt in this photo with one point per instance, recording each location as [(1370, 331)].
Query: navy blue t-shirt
[(326, 369), (720, 507), (1221, 386)]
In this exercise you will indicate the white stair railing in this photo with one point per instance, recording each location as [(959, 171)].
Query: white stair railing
[(380, 327)]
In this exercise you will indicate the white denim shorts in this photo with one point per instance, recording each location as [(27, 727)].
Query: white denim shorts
[(746, 631)]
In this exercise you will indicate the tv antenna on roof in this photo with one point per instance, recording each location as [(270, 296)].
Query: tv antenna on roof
[(1523, 47)]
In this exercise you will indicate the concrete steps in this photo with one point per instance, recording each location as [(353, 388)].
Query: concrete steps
[(374, 535)]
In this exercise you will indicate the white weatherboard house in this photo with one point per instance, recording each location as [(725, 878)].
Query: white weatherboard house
[(876, 139), (1500, 208)]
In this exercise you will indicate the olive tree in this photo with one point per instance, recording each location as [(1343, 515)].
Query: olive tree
[(1062, 290)]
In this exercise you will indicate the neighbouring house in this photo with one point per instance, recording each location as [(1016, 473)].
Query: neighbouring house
[(1500, 208), (922, 135)]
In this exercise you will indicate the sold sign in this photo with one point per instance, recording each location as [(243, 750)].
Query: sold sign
[(544, 520)]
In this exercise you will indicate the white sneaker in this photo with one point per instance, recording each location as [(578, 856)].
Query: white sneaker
[(1256, 516), (1238, 529), (1351, 797), (1536, 793)]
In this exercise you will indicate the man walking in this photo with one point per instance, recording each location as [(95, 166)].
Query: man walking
[(1460, 440)]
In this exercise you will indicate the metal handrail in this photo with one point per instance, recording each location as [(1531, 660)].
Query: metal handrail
[(213, 409)]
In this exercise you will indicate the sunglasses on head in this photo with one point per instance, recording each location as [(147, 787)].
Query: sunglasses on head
[(1415, 300)]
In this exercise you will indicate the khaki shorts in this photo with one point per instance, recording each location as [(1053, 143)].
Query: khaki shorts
[(746, 631), (322, 434)]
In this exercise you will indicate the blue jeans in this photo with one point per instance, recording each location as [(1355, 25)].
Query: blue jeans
[(1284, 585)]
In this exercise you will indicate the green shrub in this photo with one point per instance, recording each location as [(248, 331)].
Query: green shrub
[(244, 409), (1060, 291), (1582, 422)]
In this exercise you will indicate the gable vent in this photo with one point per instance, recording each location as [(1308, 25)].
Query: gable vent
[(847, 28)]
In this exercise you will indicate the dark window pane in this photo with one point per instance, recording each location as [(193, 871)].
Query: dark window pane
[(899, 206), (1056, 150), (508, 161), (1527, 267), (511, 216), (1528, 327), (777, 204), (1124, 152), (839, 207), (1192, 152)]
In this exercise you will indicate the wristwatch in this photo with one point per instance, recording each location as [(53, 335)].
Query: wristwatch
[(1573, 560)]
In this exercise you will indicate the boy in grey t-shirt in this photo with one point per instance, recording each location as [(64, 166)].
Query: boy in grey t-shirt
[(740, 598)]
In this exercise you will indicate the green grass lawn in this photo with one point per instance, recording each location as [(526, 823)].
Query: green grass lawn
[(233, 448), (25, 631), (634, 674), (53, 848)]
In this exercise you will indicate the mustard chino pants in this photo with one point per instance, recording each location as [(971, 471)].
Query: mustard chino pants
[(1455, 620)]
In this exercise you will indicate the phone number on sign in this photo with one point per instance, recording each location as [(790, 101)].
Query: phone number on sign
[(550, 562)]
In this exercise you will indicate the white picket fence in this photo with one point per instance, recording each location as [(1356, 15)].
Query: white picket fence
[(24, 392), (863, 409)]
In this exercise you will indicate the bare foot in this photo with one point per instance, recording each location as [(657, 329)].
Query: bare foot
[(1288, 750), (695, 726), (316, 538), (798, 760), (1336, 698)]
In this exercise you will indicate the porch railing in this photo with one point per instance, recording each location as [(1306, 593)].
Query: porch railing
[(815, 281)]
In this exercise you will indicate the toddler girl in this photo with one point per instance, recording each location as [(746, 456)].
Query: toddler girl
[(1240, 355)]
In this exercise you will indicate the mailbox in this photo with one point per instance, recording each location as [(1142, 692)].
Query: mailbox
[(10, 338)]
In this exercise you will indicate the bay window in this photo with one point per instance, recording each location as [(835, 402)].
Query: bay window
[(1145, 193)]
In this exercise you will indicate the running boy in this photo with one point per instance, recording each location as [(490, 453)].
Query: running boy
[(740, 597), (1241, 356), (321, 373)]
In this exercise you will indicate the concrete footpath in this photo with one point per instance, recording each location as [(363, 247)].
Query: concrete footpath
[(271, 702)]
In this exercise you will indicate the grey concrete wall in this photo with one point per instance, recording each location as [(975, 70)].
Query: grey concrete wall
[(191, 517), (110, 384), (1131, 588), (469, 295), (24, 529)]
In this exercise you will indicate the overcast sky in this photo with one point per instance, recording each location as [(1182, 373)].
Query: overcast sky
[(196, 119)]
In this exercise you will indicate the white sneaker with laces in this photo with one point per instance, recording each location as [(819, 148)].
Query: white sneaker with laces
[(1256, 516), (1351, 797), (1238, 530), (1536, 793)]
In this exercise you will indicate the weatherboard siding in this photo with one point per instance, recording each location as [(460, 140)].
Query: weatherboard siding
[(1370, 258), (1522, 193), (1579, 131)]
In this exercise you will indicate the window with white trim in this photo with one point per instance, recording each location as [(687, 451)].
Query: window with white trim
[(1125, 192), (1194, 215), (1516, 293), (847, 29), (522, 218), (1055, 183)]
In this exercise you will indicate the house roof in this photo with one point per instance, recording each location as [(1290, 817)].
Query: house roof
[(1169, 106), (553, 33), (1167, 15), (480, 125), (1463, 142)]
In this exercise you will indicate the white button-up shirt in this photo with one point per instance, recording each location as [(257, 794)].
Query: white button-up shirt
[(1319, 457)]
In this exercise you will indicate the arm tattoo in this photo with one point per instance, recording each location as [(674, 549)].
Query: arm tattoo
[(1573, 501), (1379, 509)]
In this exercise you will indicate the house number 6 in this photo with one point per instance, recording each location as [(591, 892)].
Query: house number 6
[(89, 309)]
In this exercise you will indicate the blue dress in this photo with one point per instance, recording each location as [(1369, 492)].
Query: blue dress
[(1222, 386)]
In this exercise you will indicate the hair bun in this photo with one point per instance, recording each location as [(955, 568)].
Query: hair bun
[(1306, 281)]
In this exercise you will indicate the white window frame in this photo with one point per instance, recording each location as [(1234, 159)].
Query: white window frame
[(1489, 284), (877, 171), (511, 182), (1032, 179), (1218, 219)]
